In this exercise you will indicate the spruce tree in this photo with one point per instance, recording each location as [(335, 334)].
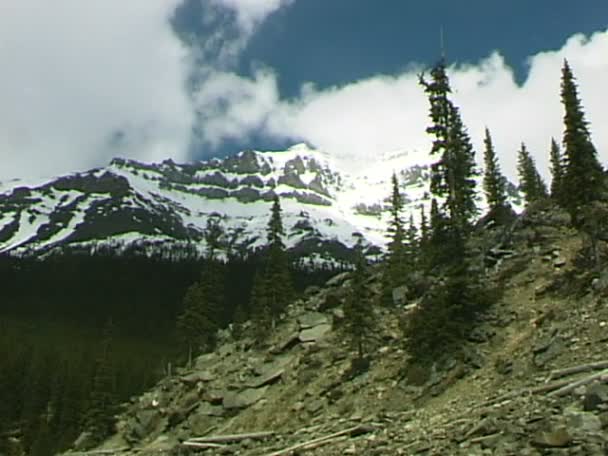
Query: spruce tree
[(204, 304), (99, 419), (530, 181), (583, 179), (272, 290), (204, 301), (395, 265), (452, 176), (494, 183), (358, 311), (557, 172)]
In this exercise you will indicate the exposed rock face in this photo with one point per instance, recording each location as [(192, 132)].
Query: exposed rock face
[(532, 378)]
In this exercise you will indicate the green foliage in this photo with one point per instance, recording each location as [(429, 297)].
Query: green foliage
[(441, 322), (557, 173), (530, 181), (272, 290), (358, 311), (102, 402), (494, 183), (583, 178), (396, 260), (452, 176), (203, 306)]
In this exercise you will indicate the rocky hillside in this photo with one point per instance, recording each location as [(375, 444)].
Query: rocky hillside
[(531, 379), (165, 206)]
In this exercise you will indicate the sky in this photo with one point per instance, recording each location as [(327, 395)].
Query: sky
[(83, 82)]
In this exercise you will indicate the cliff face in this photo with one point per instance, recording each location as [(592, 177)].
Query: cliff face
[(530, 379)]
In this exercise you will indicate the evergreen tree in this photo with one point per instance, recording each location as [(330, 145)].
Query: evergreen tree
[(358, 312), (99, 419), (557, 172), (272, 289), (452, 176), (204, 304), (530, 181), (395, 265), (204, 301), (583, 179), (494, 183)]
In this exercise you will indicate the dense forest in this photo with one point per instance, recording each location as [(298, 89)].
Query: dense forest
[(69, 320)]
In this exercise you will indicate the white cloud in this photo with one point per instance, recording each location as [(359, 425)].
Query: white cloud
[(387, 113), (84, 81)]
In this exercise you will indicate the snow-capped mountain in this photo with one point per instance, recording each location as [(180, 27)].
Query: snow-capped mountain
[(166, 206)]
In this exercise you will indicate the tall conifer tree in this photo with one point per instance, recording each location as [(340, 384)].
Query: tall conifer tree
[(452, 176), (530, 181), (358, 311), (557, 172), (395, 266), (583, 179), (494, 183)]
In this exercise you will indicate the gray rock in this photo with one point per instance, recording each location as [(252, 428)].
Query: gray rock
[(149, 420), (199, 376), (243, 399), (207, 409), (554, 438), (312, 319), (583, 423), (594, 396), (314, 334)]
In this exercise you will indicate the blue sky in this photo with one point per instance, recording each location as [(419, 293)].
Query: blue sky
[(191, 79), (338, 41)]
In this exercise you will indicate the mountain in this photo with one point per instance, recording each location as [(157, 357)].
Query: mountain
[(327, 204)]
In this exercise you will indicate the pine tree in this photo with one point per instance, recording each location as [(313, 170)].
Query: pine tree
[(358, 312), (530, 181), (204, 303), (583, 179), (395, 265), (99, 419), (557, 172), (272, 289), (452, 176), (494, 183)]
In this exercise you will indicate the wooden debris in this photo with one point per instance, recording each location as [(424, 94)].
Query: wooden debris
[(599, 376), (331, 438), (232, 437), (578, 369)]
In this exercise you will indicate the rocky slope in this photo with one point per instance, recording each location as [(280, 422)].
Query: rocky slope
[(511, 392), (165, 206)]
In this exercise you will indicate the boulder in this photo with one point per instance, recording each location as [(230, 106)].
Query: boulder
[(554, 438), (244, 398), (314, 334), (595, 396), (312, 319)]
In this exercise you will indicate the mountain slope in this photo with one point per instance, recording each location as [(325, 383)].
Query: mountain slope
[(501, 395)]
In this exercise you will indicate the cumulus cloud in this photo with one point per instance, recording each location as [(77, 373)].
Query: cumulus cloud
[(388, 113), (84, 81)]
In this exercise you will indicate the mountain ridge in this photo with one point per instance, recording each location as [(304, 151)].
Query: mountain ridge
[(147, 207)]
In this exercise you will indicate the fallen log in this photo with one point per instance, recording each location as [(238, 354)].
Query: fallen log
[(202, 445), (578, 369), (232, 437), (99, 452), (331, 438), (599, 376)]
